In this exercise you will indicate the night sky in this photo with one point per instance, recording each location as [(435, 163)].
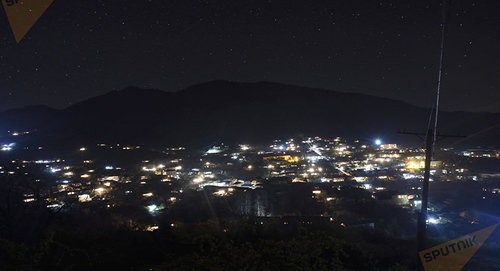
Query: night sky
[(79, 49)]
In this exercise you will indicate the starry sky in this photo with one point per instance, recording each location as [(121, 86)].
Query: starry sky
[(79, 49)]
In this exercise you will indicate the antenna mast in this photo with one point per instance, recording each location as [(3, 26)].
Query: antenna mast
[(440, 76)]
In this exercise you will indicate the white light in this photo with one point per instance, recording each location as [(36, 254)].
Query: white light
[(7, 147), (84, 198), (152, 228), (198, 180), (432, 220), (220, 192), (214, 150), (152, 208), (378, 142)]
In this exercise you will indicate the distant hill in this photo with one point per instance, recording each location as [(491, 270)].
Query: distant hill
[(237, 112)]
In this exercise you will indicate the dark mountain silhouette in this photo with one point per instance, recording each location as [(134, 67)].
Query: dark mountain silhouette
[(25, 118), (237, 112)]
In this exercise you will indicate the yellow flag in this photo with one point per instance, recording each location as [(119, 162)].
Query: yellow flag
[(454, 254), (23, 14)]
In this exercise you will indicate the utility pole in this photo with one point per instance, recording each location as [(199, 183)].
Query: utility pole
[(422, 215)]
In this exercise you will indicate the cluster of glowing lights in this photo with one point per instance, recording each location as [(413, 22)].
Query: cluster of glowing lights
[(149, 169), (388, 146), (214, 150), (415, 165), (84, 198), (314, 158), (360, 179), (152, 228), (221, 192), (369, 167), (152, 208), (46, 161), (288, 158), (54, 170), (7, 147), (198, 180), (100, 190), (433, 220)]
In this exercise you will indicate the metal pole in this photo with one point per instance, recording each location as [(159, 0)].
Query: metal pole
[(440, 76), (422, 215)]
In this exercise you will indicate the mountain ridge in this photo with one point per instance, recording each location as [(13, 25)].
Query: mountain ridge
[(133, 88), (235, 111)]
